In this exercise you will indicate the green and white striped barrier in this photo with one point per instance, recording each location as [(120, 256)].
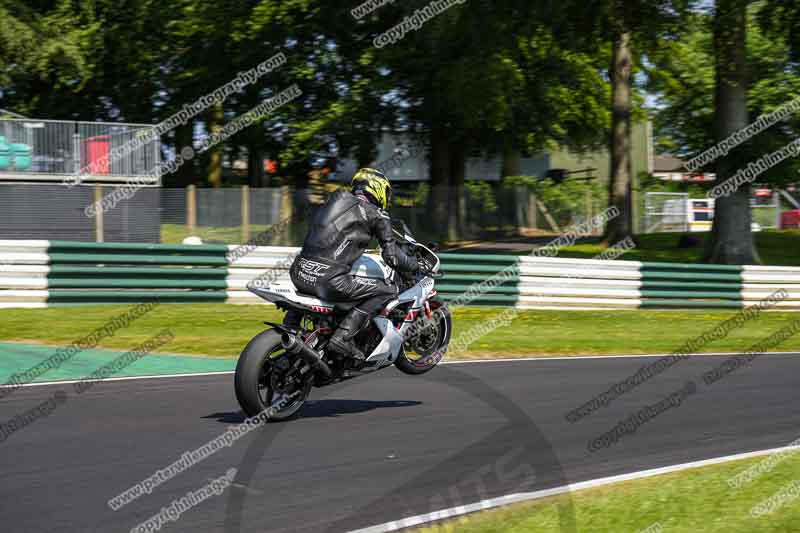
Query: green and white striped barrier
[(634, 284), (44, 273)]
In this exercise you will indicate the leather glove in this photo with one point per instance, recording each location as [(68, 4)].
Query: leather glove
[(425, 265)]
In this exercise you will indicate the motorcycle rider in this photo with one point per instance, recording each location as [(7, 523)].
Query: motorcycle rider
[(340, 232)]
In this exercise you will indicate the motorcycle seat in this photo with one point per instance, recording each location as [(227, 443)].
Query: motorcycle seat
[(287, 293), (341, 306)]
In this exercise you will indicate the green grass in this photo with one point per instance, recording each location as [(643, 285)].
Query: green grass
[(775, 247), (779, 248), (175, 233), (686, 502), (223, 330)]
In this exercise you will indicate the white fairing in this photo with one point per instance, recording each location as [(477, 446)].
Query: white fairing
[(389, 348), (372, 266), (418, 294)]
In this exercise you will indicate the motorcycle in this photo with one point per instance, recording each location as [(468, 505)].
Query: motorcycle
[(278, 368)]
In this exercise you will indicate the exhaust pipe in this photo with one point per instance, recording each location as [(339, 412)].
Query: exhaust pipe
[(295, 346)]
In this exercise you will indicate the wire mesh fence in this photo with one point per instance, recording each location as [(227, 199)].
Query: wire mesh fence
[(767, 211), (666, 212), (678, 212), (44, 211), (50, 150), (484, 212), (231, 215), (241, 214), (54, 212), (131, 153)]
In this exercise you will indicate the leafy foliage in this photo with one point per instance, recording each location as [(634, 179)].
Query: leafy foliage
[(683, 74)]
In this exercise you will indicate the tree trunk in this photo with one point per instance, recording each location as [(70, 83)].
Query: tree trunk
[(299, 181), (512, 162), (731, 241), (366, 151), (217, 115), (619, 187), (439, 180), (184, 135), (457, 225), (255, 166)]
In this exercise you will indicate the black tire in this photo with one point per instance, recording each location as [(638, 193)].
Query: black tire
[(248, 381), (432, 357)]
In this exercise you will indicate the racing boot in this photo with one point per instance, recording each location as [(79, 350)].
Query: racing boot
[(342, 341)]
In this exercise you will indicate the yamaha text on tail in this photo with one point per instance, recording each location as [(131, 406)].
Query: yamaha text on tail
[(278, 368)]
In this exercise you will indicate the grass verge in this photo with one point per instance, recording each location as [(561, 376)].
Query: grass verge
[(777, 248), (175, 233), (223, 330), (684, 502)]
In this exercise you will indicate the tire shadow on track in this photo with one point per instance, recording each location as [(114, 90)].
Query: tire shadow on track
[(326, 408), (516, 458)]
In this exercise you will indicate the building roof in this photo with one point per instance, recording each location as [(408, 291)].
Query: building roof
[(7, 113)]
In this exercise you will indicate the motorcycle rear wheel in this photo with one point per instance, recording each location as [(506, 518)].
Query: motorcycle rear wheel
[(258, 378)]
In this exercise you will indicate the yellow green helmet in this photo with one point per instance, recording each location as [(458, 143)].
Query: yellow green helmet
[(374, 185)]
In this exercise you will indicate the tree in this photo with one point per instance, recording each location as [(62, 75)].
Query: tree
[(634, 28), (731, 239), (683, 75), (495, 81), (45, 58), (621, 176), (686, 74)]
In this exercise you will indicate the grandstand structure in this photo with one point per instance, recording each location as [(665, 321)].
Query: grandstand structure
[(34, 151), (51, 171)]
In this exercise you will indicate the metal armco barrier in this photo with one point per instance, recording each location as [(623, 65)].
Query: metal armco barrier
[(45, 273)]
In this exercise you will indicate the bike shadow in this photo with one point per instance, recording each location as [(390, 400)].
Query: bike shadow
[(326, 408)]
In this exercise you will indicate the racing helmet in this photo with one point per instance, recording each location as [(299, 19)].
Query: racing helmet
[(374, 185)]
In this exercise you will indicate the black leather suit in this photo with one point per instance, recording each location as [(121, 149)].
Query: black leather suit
[(340, 232)]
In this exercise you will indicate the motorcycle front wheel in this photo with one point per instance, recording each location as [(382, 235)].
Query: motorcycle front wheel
[(423, 352), (268, 379)]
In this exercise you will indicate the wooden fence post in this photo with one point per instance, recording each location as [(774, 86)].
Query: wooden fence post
[(245, 213), (191, 209), (98, 217)]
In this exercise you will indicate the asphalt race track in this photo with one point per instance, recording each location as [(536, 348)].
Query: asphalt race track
[(374, 449)]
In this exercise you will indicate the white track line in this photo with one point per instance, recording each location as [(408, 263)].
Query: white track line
[(482, 505), (466, 362), (127, 378), (580, 357)]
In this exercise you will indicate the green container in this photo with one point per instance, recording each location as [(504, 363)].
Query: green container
[(22, 156), (5, 154)]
